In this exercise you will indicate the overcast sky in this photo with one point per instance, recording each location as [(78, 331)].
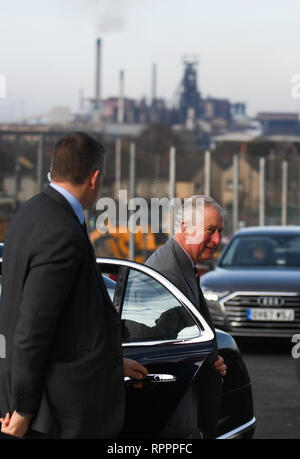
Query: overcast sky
[(249, 50)]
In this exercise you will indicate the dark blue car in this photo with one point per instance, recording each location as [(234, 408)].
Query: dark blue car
[(254, 290)]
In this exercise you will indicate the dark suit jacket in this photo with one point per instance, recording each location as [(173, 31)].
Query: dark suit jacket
[(171, 261), (64, 357)]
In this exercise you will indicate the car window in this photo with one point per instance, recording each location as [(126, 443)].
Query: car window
[(151, 312), (269, 250), (110, 285)]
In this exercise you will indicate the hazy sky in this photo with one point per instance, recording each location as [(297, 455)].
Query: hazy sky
[(248, 50)]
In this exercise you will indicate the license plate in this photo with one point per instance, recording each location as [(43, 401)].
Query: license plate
[(284, 315)]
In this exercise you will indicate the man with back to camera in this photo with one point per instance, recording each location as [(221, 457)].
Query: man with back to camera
[(63, 375), (197, 236)]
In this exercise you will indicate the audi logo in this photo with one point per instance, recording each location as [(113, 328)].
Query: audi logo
[(268, 301)]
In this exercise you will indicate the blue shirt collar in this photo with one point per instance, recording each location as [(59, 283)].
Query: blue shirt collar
[(72, 200)]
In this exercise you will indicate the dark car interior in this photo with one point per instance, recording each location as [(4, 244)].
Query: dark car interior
[(266, 251), (254, 253)]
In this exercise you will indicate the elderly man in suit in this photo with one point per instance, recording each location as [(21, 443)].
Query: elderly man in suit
[(63, 374), (198, 233)]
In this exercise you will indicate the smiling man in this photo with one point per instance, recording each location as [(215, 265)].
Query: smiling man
[(198, 233)]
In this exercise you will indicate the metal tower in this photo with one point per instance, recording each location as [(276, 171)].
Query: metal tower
[(189, 95)]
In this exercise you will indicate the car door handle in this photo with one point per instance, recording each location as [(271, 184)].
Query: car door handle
[(151, 378)]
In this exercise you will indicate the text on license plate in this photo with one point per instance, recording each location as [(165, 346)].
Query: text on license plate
[(285, 315)]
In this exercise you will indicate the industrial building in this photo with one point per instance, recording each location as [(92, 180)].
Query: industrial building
[(192, 124)]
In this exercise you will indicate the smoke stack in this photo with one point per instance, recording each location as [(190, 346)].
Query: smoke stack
[(153, 113), (98, 69), (81, 100), (121, 98), (154, 83)]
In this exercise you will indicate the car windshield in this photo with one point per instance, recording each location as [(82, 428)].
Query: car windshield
[(263, 251)]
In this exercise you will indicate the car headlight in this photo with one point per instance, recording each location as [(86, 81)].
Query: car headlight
[(213, 295)]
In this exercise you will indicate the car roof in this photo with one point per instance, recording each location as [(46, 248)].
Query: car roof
[(263, 230)]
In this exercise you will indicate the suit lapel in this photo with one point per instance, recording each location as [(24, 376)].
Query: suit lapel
[(98, 272), (187, 270), (59, 198), (185, 266)]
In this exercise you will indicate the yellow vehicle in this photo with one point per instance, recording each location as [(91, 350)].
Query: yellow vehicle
[(115, 243)]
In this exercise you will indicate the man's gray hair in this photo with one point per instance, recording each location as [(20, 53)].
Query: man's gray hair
[(187, 211)]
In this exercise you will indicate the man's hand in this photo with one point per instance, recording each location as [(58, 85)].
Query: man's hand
[(134, 370), (15, 425), (220, 365)]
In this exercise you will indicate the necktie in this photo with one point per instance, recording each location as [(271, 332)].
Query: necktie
[(202, 301), (204, 308), (203, 305), (84, 226), (197, 275), (91, 248)]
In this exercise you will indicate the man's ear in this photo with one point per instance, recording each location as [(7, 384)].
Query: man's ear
[(93, 178)]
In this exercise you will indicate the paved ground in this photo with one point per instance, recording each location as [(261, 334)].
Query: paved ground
[(276, 388)]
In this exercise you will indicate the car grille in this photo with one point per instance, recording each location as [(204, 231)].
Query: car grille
[(236, 311)]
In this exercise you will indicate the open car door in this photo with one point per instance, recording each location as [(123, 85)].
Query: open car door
[(164, 332)]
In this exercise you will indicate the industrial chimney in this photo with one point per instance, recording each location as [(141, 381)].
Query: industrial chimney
[(154, 84), (98, 70), (121, 107), (153, 111)]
